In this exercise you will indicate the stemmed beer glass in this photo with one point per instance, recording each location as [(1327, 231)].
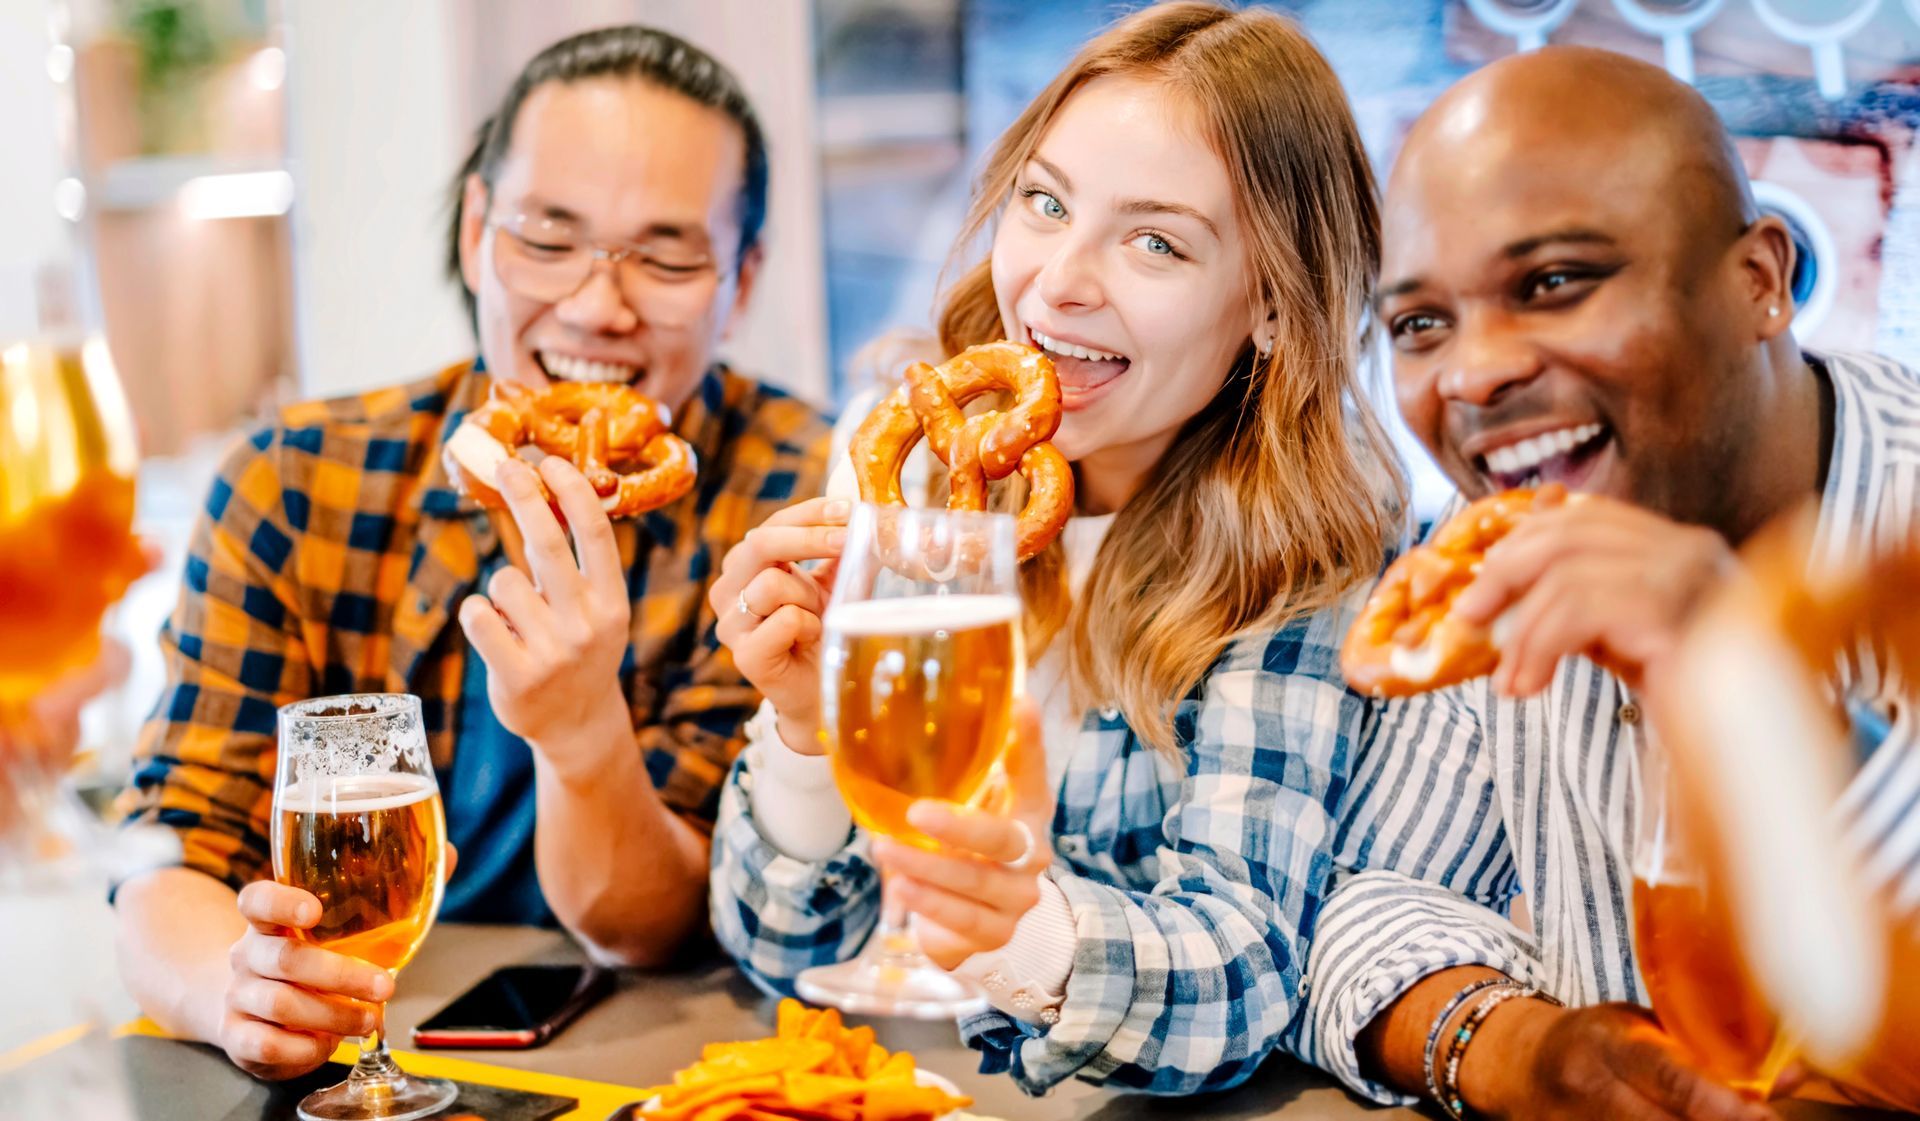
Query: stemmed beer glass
[(357, 821), (922, 662)]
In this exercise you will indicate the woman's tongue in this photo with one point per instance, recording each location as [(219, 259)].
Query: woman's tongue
[(1080, 375)]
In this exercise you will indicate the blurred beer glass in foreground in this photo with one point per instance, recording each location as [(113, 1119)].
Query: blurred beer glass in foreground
[(67, 551), (1805, 834), (357, 821), (922, 662), (1688, 948)]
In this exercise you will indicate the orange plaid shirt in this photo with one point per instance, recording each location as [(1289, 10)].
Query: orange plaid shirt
[(332, 556)]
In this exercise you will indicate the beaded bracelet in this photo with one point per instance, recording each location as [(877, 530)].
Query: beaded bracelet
[(1452, 1102), (1440, 1022)]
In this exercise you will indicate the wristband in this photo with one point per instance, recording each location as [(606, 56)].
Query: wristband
[(1440, 1022)]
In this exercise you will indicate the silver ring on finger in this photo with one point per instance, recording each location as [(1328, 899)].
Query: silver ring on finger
[(740, 604), (1019, 863)]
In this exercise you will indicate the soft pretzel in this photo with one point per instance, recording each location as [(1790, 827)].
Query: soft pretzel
[(1407, 639), (1761, 763), (976, 449), (618, 437)]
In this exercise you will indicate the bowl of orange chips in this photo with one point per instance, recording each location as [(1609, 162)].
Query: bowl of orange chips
[(814, 1068)]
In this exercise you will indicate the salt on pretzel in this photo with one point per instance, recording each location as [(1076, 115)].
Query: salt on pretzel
[(617, 436), (977, 449), (1762, 760), (1407, 639)]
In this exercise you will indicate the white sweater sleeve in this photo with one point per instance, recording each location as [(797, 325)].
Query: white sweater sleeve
[(793, 800), (1027, 977)]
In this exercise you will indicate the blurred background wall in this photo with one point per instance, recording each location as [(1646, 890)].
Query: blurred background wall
[(259, 185)]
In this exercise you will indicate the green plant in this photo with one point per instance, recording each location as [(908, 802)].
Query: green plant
[(174, 39)]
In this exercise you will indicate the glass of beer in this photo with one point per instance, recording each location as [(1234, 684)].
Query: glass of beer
[(922, 660), (1689, 953), (67, 549), (357, 821)]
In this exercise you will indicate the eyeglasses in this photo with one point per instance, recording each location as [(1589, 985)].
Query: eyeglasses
[(548, 260)]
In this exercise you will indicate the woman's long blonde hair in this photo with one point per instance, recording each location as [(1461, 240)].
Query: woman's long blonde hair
[(1284, 491)]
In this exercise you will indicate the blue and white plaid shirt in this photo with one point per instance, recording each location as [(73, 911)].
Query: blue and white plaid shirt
[(1193, 889)]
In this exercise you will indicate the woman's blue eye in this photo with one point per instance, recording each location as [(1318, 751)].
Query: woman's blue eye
[(1155, 245), (1046, 205)]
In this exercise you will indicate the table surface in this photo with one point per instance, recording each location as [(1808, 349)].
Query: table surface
[(655, 1023)]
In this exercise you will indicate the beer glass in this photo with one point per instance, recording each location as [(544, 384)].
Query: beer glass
[(1688, 947), (922, 660), (67, 550), (357, 821)]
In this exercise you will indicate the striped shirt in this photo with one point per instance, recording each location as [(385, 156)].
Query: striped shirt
[(1463, 799), (332, 557)]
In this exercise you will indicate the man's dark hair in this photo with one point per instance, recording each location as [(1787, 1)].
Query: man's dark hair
[(642, 53)]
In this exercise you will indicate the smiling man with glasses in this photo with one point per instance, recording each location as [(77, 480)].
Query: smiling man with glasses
[(606, 228)]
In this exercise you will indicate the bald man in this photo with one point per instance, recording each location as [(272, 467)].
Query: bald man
[(1579, 289)]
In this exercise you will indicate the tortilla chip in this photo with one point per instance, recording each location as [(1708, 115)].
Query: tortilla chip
[(814, 1068)]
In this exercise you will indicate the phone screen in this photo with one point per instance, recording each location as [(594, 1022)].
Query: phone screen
[(516, 998)]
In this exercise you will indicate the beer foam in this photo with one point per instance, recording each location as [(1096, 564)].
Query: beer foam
[(356, 794), (365, 735), (922, 614)]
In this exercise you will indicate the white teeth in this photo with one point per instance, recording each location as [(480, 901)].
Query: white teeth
[(568, 368), (1072, 350), (1530, 453)]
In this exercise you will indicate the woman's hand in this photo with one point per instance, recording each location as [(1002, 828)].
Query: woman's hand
[(770, 611), (968, 897)]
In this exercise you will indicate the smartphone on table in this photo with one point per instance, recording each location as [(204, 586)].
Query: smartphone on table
[(515, 1008)]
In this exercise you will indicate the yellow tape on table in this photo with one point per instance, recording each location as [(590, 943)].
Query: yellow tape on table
[(46, 1045), (597, 1099)]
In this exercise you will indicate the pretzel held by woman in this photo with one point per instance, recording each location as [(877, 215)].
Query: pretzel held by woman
[(978, 449)]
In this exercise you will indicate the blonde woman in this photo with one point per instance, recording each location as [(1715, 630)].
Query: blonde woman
[(1186, 220)]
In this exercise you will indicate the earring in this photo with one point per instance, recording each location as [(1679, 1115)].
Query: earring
[(1773, 311)]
